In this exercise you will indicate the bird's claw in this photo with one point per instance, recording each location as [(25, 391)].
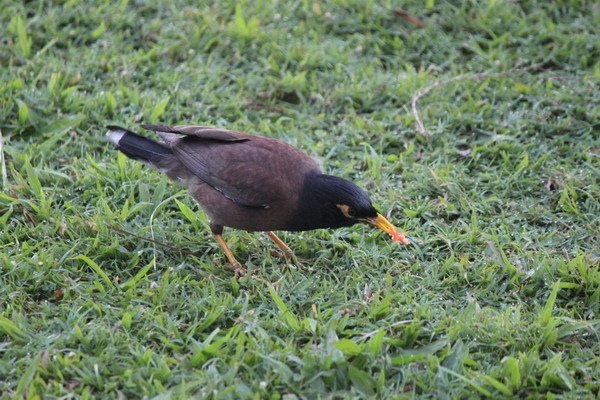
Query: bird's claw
[(303, 266), (239, 271), (292, 259), (286, 255), (289, 255)]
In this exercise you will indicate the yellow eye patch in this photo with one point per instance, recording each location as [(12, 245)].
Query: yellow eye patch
[(345, 210)]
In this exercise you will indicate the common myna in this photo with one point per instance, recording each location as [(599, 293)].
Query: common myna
[(251, 182)]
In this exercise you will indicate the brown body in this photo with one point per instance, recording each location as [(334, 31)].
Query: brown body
[(244, 184)]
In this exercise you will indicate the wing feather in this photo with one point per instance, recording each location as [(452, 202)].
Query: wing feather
[(252, 171), (203, 132)]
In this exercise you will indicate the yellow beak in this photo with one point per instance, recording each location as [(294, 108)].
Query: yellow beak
[(382, 223)]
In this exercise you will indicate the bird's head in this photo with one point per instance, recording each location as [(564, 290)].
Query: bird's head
[(347, 204)]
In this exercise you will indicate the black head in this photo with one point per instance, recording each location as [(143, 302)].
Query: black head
[(349, 199), (330, 202)]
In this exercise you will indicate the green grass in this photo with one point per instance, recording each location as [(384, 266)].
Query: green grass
[(498, 296)]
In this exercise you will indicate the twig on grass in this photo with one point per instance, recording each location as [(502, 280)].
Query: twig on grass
[(411, 19), (462, 77), (151, 222), (168, 246), (395, 324)]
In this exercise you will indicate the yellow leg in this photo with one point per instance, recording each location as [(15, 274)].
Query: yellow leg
[(235, 264), (287, 252)]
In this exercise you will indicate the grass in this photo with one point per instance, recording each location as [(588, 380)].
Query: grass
[(499, 295)]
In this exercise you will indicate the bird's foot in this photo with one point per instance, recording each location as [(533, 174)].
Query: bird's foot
[(288, 254), (237, 268), (234, 264), (301, 264), (291, 260), (239, 271), (285, 255)]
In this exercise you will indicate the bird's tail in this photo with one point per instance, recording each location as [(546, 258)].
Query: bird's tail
[(150, 152), (138, 147)]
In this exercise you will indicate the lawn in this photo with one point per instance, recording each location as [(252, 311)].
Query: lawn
[(476, 133)]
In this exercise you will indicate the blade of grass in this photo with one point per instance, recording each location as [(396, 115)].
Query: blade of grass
[(3, 164), (96, 268), (141, 273), (290, 319), (11, 329), (27, 378), (474, 385)]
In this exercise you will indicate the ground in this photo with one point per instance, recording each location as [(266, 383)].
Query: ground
[(477, 134)]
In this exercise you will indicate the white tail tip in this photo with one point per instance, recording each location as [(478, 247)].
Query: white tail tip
[(114, 136)]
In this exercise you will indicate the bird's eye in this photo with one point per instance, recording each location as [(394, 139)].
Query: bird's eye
[(346, 210)]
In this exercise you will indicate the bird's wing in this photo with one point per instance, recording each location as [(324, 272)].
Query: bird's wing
[(203, 132), (252, 171)]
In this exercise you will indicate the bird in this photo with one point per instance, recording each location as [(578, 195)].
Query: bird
[(251, 182)]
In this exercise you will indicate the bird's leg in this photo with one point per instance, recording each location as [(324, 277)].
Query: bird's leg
[(235, 264), (287, 252), (217, 231)]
